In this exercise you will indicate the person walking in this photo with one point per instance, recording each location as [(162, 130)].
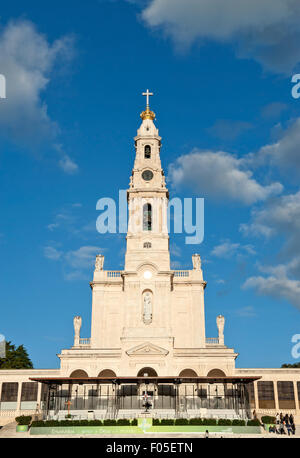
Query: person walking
[(281, 429), (277, 418), (293, 428)]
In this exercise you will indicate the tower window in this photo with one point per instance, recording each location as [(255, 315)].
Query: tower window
[(147, 217), (147, 245), (147, 152)]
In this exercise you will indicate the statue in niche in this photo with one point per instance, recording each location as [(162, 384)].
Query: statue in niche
[(77, 326), (196, 261), (147, 315), (99, 262)]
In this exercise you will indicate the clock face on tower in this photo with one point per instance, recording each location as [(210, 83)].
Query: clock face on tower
[(147, 175)]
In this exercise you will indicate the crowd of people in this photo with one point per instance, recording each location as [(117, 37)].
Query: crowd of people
[(284, 425)]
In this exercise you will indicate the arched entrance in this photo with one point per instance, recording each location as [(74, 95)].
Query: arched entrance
[(187, 373), (216, 373), (107, 373), (147, 372), (220, 395), (79, 373), (147, 391)]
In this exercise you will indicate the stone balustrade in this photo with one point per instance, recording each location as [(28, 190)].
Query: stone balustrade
[(212, 341), (181, 273), (85, 341), (113, 273)]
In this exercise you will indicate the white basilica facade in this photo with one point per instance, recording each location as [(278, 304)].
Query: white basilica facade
[(148, 314), (148, 328)]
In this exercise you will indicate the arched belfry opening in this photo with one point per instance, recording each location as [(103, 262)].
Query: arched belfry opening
[(147, 217), (147, 152), (147, 372)]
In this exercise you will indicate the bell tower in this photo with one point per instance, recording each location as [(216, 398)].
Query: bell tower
[(147, 236), (148, 318)]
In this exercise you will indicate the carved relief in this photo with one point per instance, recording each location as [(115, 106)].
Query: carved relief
[(147, 349)]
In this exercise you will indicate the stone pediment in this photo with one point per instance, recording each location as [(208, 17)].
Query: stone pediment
[(147, 349)]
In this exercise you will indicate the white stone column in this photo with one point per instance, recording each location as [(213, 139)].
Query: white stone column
[(297, 401), (39, 392), (276, 395), (256, 401)]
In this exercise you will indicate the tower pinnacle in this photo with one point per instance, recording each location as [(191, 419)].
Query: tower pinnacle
[(147, 114)]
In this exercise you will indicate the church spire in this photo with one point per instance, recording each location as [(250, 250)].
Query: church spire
[(147, 114), (147, 236)]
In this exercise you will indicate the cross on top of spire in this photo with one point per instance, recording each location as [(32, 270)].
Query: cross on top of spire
[(147, 94), (147, 114)]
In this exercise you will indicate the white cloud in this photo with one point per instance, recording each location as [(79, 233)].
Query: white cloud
[(219, 174), (70, 219), (52, 226), (285, 152), (52, 253), (76, 263), (266, 30), (82, 258), (68, 165), (27, 60), (225, 249), (228, 249), (277, 285), (280, 216)]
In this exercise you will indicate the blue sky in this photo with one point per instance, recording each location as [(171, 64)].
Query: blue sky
[(230, 131)]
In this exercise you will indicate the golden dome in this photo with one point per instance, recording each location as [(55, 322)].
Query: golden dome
[(147, 114)]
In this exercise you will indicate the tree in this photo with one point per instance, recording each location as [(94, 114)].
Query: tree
[(291, 366), (16, 358)]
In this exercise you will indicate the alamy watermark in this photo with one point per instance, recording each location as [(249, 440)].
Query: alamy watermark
[(155, 214), (2, 346), (296, 348), (2, 87), (296, 88)]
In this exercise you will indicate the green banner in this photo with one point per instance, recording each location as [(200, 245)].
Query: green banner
[(144, 427)]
